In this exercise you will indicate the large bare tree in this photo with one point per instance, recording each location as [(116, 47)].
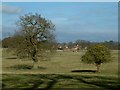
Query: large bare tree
[(35, 36)]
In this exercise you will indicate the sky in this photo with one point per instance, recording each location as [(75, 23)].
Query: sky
[(60, 0), (92, 21)]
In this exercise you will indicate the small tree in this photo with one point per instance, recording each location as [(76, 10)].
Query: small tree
[(97, 54), (35, 36)]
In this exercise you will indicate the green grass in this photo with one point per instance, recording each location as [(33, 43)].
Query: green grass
[(56, 72), (51, 81)]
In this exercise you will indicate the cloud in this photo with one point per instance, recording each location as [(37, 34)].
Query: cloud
[(6, 9)]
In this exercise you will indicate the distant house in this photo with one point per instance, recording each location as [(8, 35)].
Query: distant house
[(85, 48), (76, 48), (60, 48), (66, 48)]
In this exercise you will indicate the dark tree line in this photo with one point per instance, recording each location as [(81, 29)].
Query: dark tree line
[(113, 45)]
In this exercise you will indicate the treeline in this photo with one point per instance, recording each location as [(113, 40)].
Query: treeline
[(113, 45)]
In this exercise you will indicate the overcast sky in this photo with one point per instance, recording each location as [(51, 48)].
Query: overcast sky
[(84, 21)]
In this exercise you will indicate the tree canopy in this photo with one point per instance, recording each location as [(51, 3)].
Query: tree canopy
[(97, 54), (35, 36)]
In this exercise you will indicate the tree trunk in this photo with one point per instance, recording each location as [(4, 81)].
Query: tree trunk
[(35, 65), (98, 67), (35, 61)]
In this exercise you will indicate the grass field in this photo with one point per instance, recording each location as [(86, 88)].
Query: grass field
[(57, 72)]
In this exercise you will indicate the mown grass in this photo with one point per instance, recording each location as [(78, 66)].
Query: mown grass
[(50, 81), (57, 72)]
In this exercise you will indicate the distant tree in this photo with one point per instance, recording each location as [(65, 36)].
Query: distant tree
[(111, 44), (118, 45), (97, 54), (83, 43), (8, 42), (0, 43), (70, 45), (35, 37)]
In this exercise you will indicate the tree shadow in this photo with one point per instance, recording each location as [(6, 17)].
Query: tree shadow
[(52, 80), (93, 71), (39, 67), (51, 84), (3, 85), (101, 82), (36, 84), (24, 67), (12, 58)]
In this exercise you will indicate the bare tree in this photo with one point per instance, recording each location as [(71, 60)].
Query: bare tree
[(35, 36)]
